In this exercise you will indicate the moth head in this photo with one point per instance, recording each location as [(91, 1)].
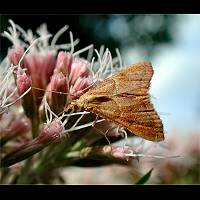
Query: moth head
[(84, 100)]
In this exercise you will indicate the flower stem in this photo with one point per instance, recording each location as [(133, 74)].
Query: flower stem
[(35, 126), (23, 178)]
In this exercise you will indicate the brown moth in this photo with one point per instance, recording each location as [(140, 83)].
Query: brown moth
[(123, 98)]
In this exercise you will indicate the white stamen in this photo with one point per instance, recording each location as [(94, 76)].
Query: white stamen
[(48, 109), (82, 50), (83, 126), (35, 41), (125, 137), (91, 67), (58, 34), (7, 35), (111, 64), (77, 121), (13, 26), (17, 98), (100, 64), (66, 46), (6, 98), (90, 54), (119, 57), (101, 50), (72, 42), (77, 113), (150, 156)]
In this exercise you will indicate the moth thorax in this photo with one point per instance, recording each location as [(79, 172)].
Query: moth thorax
[(84, 100)]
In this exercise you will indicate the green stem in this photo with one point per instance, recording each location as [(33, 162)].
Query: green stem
[(23, 178), (35, 126)]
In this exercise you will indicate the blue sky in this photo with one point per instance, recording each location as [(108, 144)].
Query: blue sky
[(176, 81)]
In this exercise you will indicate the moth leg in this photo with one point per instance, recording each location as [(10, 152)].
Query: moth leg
[(100, 131)]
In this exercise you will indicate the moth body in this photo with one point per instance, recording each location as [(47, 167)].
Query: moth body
[(123, 98)]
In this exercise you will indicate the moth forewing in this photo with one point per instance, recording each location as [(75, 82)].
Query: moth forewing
[(124, 99)]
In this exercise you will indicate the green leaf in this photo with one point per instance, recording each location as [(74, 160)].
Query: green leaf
[(145, 178)]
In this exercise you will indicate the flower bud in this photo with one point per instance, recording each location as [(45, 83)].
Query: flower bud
[(15, 128), (15, 54), (64, 62), (23, 81), (80, 84), (43, 63), (57, 101), (50, 133), (120, 151), (79, 69), (40, 67)]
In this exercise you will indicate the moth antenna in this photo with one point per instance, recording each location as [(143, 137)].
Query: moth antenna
[(36, 88), (101, 132)]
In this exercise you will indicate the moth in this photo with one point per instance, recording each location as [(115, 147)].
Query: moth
[(124, 98)]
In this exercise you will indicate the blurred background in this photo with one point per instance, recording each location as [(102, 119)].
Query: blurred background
[(172, 44)]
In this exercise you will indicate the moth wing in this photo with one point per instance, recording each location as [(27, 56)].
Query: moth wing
[(134, 113), (123, 98), (133, 80)]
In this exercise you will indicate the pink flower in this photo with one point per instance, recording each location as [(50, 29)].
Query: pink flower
[(79, 86), (52, 131), (120, 151), (23, 81), (16, 127), (64, 62), (40, 67), (59, 83), (78, 69), (15, 54)]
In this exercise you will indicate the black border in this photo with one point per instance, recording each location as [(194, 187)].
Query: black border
[(101, 7), (100, 191)]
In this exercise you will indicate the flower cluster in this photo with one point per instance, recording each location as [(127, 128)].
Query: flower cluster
[(39, 81)]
